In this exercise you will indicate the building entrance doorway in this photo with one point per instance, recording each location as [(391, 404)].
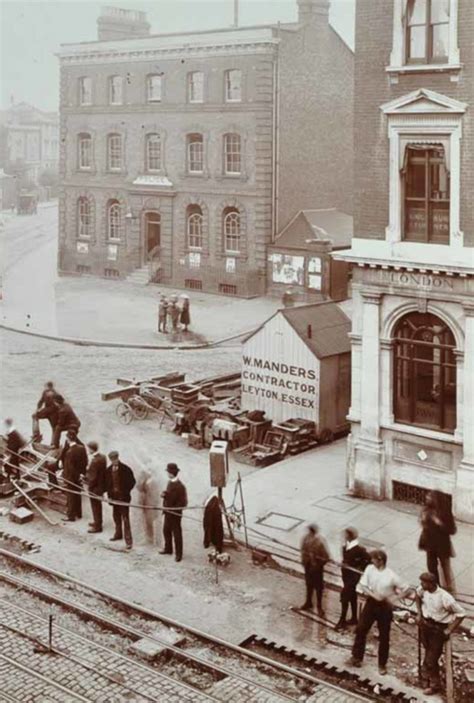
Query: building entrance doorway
[(152, 234)]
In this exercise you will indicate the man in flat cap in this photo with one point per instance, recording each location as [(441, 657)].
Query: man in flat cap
[(119, 482), (174, 500), (74, 463), (96, 484)]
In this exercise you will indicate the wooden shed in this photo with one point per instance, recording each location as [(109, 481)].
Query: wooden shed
[(300, 256), (297, 365)]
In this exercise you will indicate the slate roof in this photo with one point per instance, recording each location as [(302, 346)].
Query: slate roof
[(330, 327), (317, 225)]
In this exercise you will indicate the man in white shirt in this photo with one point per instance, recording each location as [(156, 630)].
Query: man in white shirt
[(438, 617), (382, 586)]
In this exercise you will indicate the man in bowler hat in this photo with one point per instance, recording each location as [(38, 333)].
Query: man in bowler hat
[(119, 482), (96, 484), (174, 500), (74, 463)]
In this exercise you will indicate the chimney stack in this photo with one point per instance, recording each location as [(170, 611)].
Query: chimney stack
[(115, 23), (310, 10)]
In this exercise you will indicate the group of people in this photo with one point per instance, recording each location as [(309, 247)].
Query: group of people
[(439, 614), (170, 311)]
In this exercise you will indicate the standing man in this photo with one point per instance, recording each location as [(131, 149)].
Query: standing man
[(174, 500), (382, 586), (96, 485), (314, 555), (119, 482), (355, 559), (46, 408), (66, 420), (162, 314), (15, 444), (74, 462), (438, 617)]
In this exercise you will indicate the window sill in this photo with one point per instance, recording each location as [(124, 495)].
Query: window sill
[(422, 432), (425, 68)]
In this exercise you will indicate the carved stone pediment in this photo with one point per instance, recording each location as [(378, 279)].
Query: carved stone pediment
[(423, 101)]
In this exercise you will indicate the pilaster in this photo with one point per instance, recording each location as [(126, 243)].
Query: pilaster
[(464, 490)]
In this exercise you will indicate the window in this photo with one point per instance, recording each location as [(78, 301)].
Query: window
[(196, 87), (85, 151), (85, 91), (114, 220), (84, 217), (154, 89), (427, 188), (194, 221), (427, 31), (114, 152), (195, 153), (232, 154), (153, 152), (232, 229), (233, 86), (424, 372), (116, 90)]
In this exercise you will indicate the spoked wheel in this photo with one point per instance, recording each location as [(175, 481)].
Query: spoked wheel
[(124, 413), (140, 409)]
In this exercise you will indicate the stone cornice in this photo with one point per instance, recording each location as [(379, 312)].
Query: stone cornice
[(364, 262), (156, 109)]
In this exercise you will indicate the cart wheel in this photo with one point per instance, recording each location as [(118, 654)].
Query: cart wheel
[(326, 436), (124, 413), (139, 410)]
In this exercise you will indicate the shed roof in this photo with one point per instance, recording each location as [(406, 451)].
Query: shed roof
[(317, 225), (330, 327)]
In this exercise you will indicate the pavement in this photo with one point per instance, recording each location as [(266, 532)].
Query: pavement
[(282, 499)]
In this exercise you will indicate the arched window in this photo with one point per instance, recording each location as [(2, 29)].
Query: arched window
[(232, 232), (84, 151), (114, 220), (194, 222), (424, 372), (115, 90), (84, 217), (195, 153), (153, 152), (114, 152), (232, 154), (153, 88)]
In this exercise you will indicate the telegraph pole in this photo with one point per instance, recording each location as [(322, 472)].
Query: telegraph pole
[(236, 13)]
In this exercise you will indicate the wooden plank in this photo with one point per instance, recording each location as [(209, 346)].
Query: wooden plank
[(172, 377), (120, 393), (31, 502)]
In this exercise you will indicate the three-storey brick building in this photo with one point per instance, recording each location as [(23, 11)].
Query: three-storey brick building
[(187, 153), (412, 409)]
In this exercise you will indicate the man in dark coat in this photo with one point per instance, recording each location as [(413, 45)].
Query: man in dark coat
[(66, 420), (314, 555), (46, 408), (96, 484), (15, 444), (74, 463), (174, 500), (355, 558), (119, 482)]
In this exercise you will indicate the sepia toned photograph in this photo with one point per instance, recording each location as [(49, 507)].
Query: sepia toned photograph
[(237, 351)]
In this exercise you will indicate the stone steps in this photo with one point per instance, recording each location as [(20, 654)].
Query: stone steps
[(140, 276)]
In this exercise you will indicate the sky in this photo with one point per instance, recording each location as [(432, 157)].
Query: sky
[(31, 33)]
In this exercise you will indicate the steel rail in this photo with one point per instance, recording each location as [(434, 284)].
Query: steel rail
[(43, 678), (97, 645), (297, 673)]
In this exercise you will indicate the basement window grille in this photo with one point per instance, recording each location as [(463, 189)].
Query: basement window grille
[(414, 494), (111, 273), (80, 268), (193, 284), (227, 289)]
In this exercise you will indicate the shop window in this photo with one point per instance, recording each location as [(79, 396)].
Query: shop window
[(232, 231), (114, 152), (427, 194), (85, 91), (84, 217), (153, 89), (233, 86), (194, 220), (84, 151), (114, 220), (424, 373), (196, 87), (153, 152), (232, 154), (115, 90), (195, 148), (427, 31)]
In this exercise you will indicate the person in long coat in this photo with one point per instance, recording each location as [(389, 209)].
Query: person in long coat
[(119, 482), (174, 313), (162, 314), (314, 555), (174, 500), (212, 524), (96, 484), (74, 463), (185, 317), (437, 523), (355, 558)]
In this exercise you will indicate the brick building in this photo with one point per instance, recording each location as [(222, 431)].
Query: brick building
[(412, 409), (183, 154)]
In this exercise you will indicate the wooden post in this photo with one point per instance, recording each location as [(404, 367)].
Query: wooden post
[(448, 656), (244, 520)]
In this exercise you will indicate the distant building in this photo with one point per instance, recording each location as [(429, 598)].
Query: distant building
[(412, 408), (30, 137), (183, 155)]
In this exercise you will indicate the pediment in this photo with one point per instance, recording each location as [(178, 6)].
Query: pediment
[(423, 101)]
